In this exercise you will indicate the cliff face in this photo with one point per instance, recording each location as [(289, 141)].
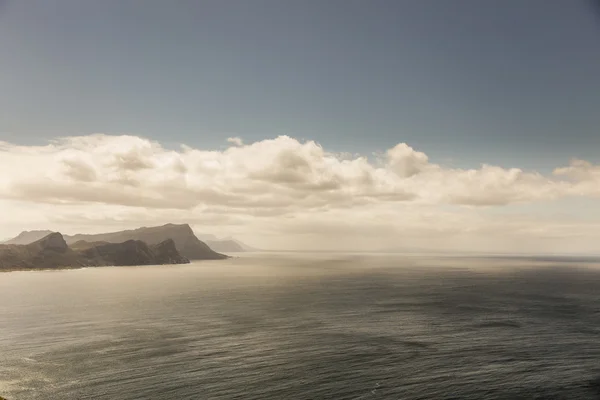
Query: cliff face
[(131, 252), (166, 253), (183, 237), (49, 252), (52, 252)]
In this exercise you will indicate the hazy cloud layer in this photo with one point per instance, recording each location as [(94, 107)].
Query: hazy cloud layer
[(278, 186)]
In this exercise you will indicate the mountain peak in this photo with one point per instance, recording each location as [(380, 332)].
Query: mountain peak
[(185, 227), (27, 237), (53, 241)]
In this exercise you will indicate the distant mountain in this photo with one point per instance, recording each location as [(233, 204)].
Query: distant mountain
[(205, 237), (245, 246), (27, 237), (52, 251), (229, 245), (225, 246), (185, 241)]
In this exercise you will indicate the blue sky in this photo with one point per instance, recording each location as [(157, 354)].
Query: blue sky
[(513, 82)]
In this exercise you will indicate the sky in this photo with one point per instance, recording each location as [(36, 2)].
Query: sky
[(339, 124)]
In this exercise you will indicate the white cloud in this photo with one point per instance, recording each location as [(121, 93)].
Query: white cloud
[(278, 188), (235, 141), (584, 176), (406, 162)]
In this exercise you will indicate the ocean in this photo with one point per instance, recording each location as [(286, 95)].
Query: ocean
[(295, 326)]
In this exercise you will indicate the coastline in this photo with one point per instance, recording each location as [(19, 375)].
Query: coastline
[(96, 266)]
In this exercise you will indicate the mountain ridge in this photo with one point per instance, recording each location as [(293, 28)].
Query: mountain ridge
[(186, 241), (182, 235), (53, 252), (27, 237)]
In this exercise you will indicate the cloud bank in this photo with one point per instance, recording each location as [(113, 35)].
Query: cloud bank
[(275, 187)]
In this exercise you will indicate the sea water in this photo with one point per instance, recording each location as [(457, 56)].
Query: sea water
[(297, 326)]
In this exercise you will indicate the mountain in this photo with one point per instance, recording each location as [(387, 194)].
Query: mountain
[(185, 241), (130, 252), (225, 246), (52, 251), (27, 237), (205, 237), (49, 252), (244, 246)]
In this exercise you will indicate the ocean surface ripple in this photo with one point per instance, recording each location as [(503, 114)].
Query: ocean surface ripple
[(304, 327)]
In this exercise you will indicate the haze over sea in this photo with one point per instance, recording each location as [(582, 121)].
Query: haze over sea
[(294, 326)]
